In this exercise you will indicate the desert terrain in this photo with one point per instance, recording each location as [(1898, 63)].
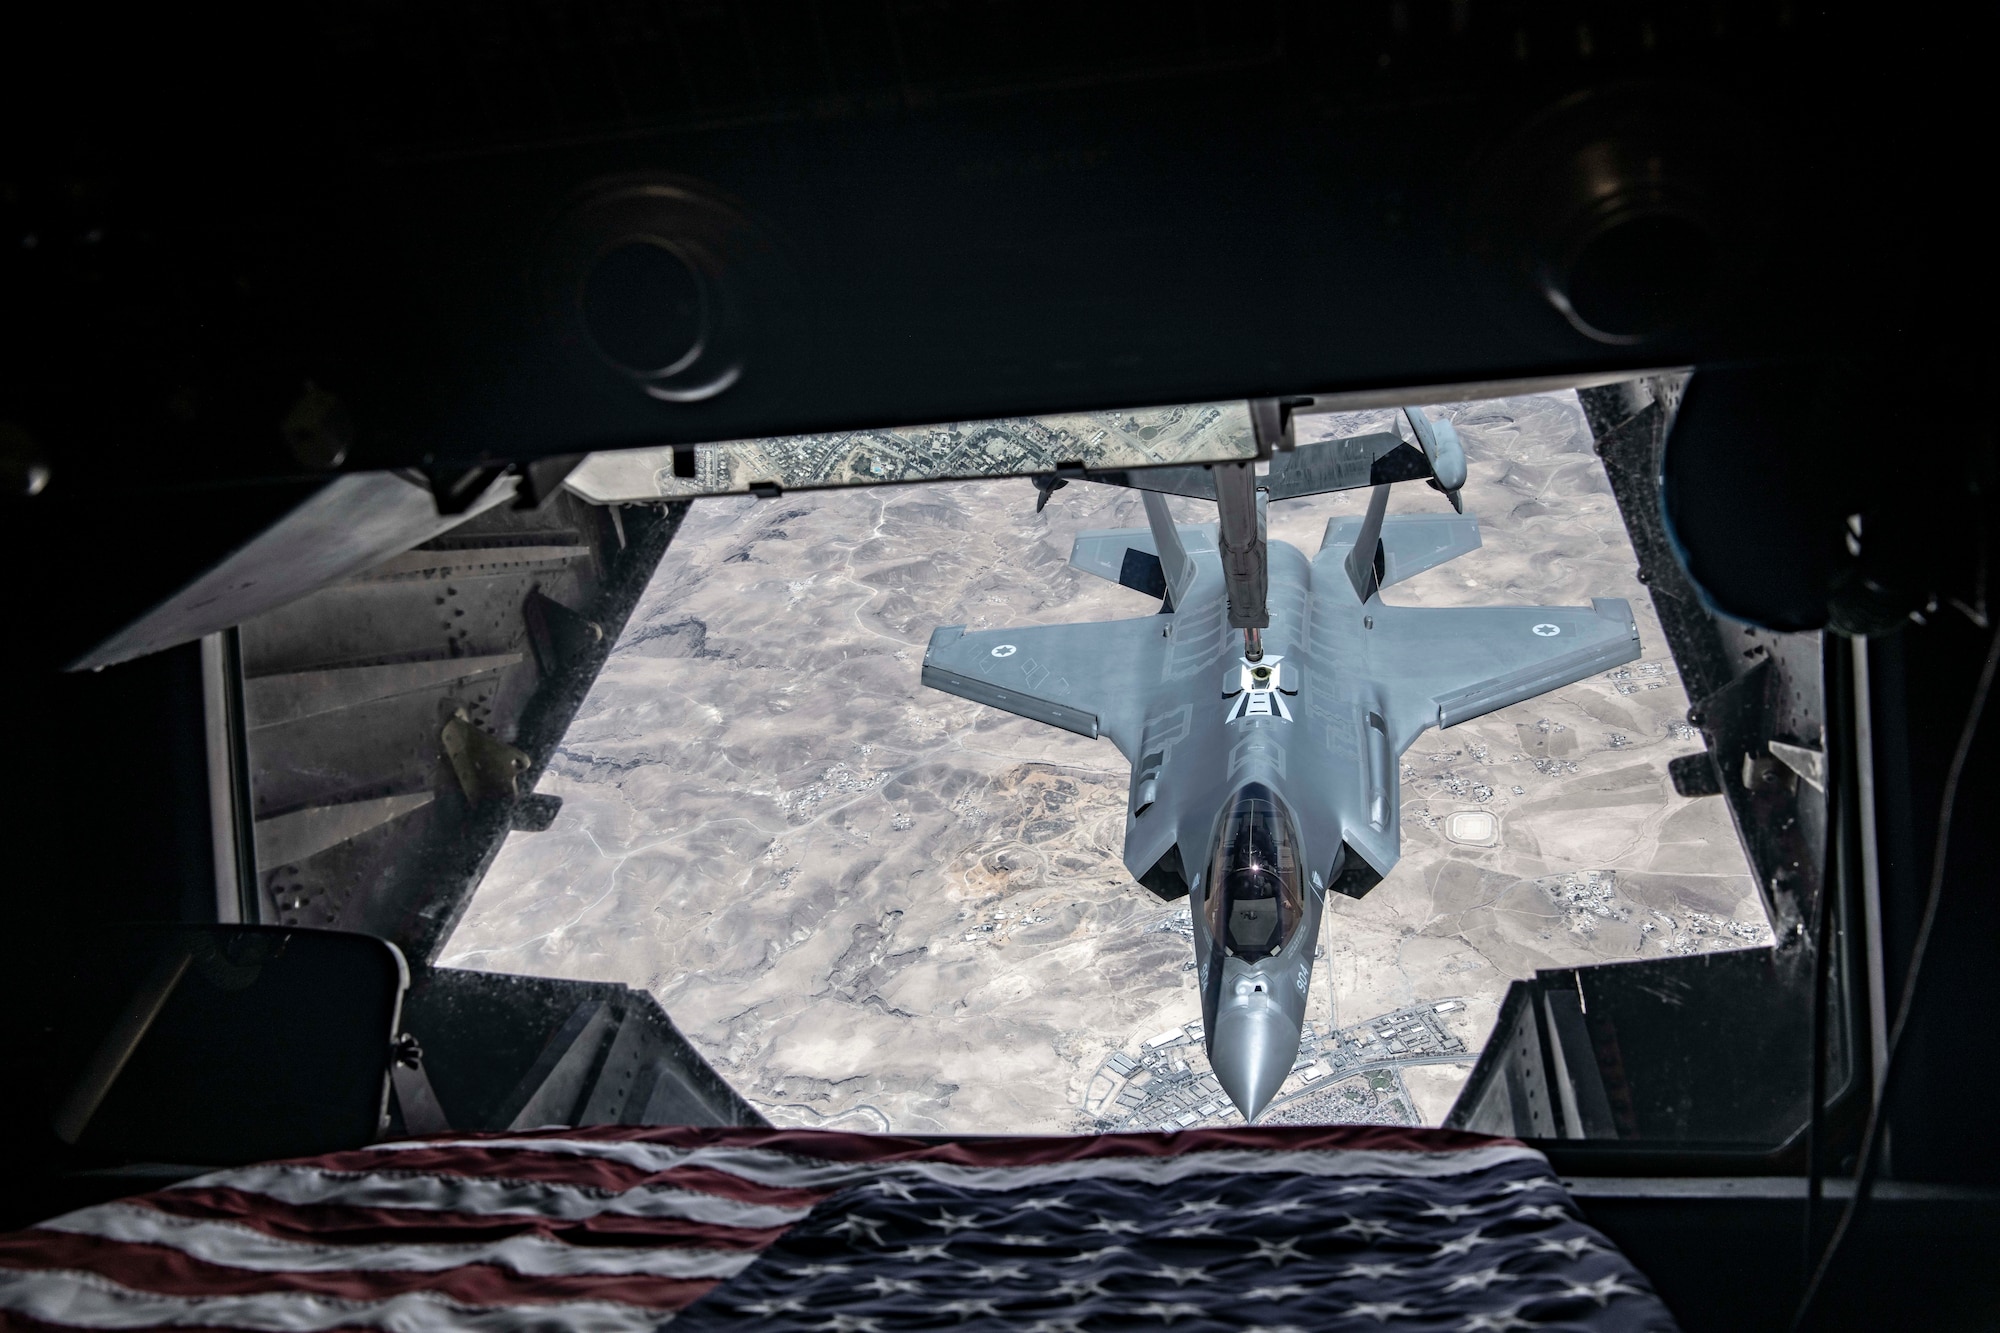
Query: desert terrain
[(873, 905)]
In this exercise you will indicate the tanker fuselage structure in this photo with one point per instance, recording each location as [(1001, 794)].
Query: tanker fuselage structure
[(1264, 758)]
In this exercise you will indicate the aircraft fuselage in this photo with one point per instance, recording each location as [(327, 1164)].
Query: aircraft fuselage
[(1262, 781)]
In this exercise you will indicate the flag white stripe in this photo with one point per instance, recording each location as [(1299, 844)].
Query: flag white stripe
[(486, 1195), (233, 1245), (74, 1299), (1231, 1162), (762, 1166)]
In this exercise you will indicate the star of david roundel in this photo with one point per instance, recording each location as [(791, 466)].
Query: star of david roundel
[(1547, 630)]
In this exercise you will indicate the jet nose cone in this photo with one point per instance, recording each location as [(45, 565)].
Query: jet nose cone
[(1252, 1053)]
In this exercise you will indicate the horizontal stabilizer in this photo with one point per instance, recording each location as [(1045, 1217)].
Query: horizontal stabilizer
[(1130, 557), (1411, 543), (1106, 553)]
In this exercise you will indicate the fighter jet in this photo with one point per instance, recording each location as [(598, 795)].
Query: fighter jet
[(1265, 707)]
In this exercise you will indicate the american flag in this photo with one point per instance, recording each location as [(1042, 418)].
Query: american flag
[(616, 1229)]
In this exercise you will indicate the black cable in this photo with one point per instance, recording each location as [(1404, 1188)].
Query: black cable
[(1837, 682), (1865, 1168), (1822, 965)]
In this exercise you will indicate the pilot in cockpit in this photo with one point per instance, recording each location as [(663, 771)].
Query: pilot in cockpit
[(1255, 899)]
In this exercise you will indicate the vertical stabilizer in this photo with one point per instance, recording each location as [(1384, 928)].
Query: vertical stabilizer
[(1174, 561), (1364, 562)]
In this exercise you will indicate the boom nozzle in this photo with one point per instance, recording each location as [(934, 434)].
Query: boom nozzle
[(1253, 645), (1245, 560)]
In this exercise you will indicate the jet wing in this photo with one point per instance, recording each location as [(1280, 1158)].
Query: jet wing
[(1093, 679), (1444, 665)]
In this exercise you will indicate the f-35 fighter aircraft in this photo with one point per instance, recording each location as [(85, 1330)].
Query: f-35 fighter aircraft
[(1264, 755)]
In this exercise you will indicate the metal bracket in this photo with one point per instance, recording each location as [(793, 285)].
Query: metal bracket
[(558, 635), (456, 489), (542, 478), (486, 765), (422, 1112), (1271, 423)]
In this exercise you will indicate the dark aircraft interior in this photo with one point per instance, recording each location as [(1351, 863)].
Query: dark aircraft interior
[(309, 313)]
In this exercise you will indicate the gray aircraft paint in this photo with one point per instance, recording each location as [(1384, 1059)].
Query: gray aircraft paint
[(1353, 681)]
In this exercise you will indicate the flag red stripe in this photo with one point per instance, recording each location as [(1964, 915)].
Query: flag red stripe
[(577, 1170), (170, 1272), (348, 1224)]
